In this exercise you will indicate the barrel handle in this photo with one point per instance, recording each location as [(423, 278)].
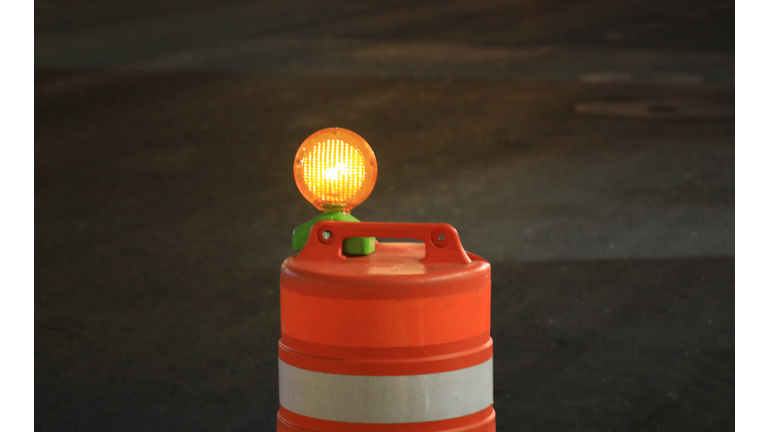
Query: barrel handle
[(441, 241)]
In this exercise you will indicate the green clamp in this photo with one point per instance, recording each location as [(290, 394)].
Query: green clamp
[(351, 246)]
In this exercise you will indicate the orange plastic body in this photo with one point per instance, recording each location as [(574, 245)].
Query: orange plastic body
[(406, 309)]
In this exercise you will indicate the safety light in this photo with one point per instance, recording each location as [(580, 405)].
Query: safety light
[(335, 170)]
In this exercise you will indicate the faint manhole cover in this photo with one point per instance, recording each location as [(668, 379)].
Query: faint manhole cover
[(657, 108), (642, 78)]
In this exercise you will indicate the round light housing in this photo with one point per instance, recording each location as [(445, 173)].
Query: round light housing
[(335, 169)]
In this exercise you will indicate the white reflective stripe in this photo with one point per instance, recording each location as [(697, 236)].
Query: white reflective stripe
[(386, 399)]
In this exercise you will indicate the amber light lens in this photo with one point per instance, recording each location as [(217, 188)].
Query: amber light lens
[(335, 169)]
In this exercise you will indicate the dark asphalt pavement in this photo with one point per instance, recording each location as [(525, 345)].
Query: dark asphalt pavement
[(585, 148)]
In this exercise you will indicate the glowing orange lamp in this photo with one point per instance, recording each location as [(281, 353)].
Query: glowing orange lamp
[(335, 169)]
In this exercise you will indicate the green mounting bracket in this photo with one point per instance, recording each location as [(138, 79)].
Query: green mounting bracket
[(351, 246)]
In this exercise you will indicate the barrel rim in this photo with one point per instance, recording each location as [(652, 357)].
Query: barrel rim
[(394, 361)]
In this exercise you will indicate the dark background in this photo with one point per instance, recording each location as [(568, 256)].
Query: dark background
[(584, 147)]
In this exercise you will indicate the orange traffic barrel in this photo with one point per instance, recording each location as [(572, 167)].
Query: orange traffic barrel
[(397, 340)]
